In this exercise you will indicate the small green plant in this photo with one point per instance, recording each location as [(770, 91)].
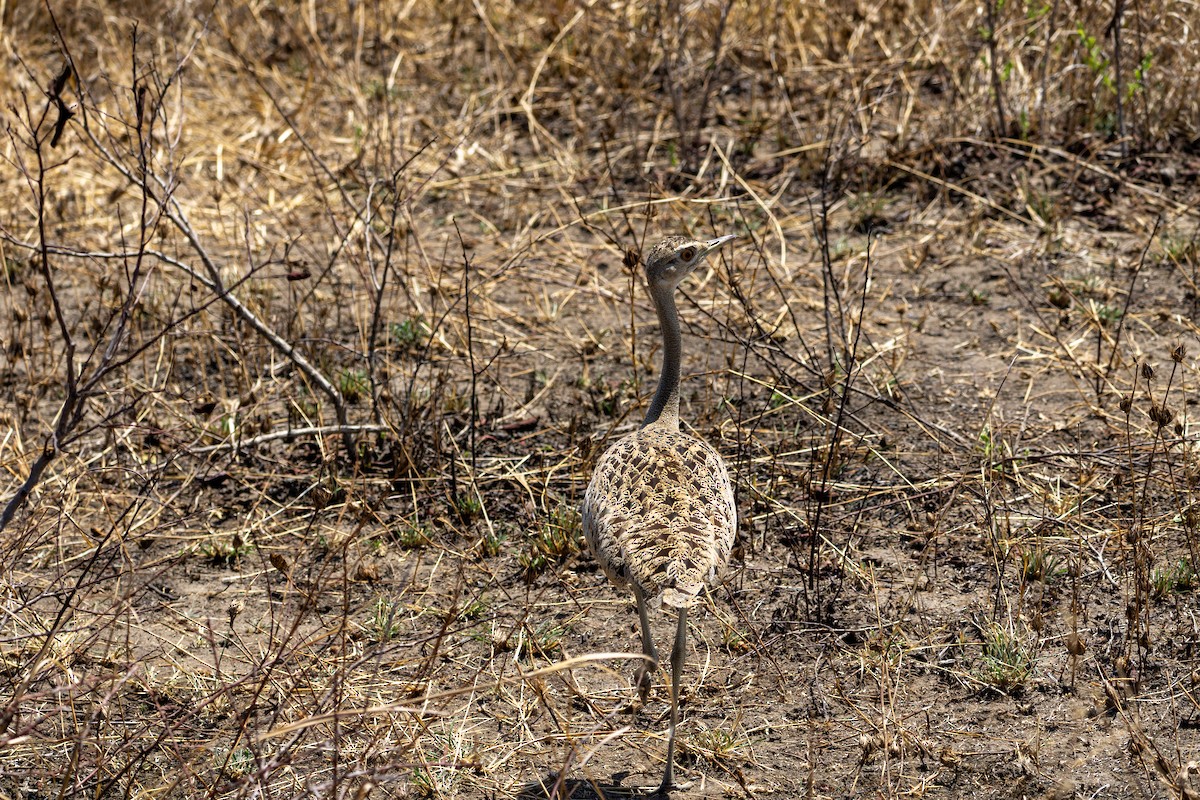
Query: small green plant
[(1107, 315), (548, 640), (443, 756), (1094, 57), (411, 536), (556, 540), (321, 543), (736, 641), (475, 609), (1139, 76), (353, 384), (715, 745), (1180, 249), (385, 623), (1037, 564), (410, 333), (226, 554), (1179, 577), (1006, 661), (491, 544), (468, 506), (425, 785), (227, 425), (1099, 64), (533, 563), (238, 764), (991, 447), (1024, 124)]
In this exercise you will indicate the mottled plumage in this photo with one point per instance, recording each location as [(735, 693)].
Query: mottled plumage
[(658, 513)]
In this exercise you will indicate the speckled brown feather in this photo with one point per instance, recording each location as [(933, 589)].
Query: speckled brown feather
[(659, 511)]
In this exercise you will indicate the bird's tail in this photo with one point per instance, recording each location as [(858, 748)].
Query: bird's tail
[(681, 596)]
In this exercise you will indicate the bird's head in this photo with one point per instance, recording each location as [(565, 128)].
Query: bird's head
[(672, 259)]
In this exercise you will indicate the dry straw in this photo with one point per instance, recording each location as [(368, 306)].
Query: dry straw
[(316, 316)]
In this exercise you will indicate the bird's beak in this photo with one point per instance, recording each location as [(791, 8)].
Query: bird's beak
[(713, 244)]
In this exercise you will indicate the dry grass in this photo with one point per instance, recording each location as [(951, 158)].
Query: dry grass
[(315, 319)]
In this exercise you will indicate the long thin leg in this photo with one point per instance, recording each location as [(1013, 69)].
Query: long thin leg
[(644, 674), (677, 654)]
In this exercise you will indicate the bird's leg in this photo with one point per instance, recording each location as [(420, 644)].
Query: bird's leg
[(677, 653), (644, 675)]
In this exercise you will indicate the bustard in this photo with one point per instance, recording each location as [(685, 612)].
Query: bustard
[(658, 513)]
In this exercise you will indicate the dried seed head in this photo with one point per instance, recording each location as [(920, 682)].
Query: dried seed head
[(1178, 353), (631, 259), (1123, 668), (1162, 415), (1125, 405), (280, 563), (1179, 429), (235, 607), (868, 743), (1147, 371)]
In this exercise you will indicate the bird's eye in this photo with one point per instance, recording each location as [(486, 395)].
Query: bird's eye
[(687, 253)]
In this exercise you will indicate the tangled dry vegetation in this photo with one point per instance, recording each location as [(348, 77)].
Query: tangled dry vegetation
[(316, 316)]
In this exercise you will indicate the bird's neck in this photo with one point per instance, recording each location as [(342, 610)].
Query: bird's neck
[(664, 408)]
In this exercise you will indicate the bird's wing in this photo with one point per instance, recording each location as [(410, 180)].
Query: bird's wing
[(660, 511)]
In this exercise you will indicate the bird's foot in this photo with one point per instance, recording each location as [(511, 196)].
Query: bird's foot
[(666, 787)]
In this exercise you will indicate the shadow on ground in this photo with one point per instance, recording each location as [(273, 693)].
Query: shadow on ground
[(554, 788)]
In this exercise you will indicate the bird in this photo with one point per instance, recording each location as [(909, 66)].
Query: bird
[(659, 513)]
